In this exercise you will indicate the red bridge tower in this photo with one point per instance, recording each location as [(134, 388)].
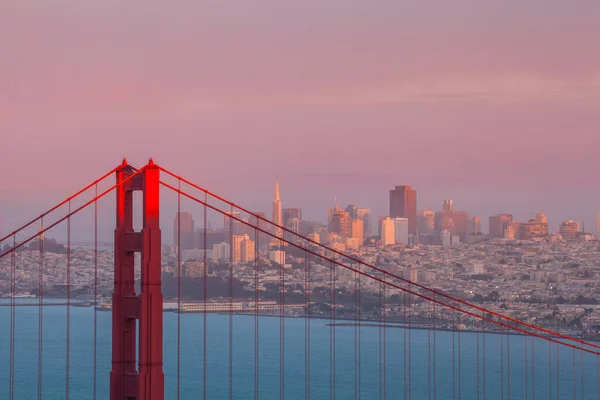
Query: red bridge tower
[(147, 381)]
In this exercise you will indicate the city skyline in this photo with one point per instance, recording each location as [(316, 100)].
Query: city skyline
[(591, 223), (520, 116)]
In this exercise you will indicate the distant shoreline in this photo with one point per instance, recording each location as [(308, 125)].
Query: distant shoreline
[(338, 322)]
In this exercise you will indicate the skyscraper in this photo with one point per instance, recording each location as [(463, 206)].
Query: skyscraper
[(357, 230), (364, 214), (401, 230), (187, 230), (293, 224), (232, 225), (598, 225), (387, 232), (289, 213), (474, 225), (498, 223), (569, 230), (243, 249), (277, 217), (403, 204), (541, 218), (340, 223), (352, 210), (447, 205), (533, 229), (426, 222)]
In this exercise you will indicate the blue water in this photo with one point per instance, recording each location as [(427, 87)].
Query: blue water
[(422, 385)]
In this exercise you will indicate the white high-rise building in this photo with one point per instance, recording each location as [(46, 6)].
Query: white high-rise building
[(277, 217), (388, 232), (220, 252), (598, 225), (401, 230), (293, 225)]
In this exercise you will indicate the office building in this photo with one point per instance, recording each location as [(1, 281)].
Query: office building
[(401, 230), (220, 253), (426, 222), (474, 225), (352, 210), (498, 224), (388, 232), (357, 230), (403, 204), (289, 213), (364, 214), (185, 235), (533, 229), (447, 205), (569, 230), (293, 224), (541, 218), (340, 223)]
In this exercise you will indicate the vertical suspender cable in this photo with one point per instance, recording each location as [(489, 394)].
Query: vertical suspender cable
[(459, 357), (508, 366), (307, 327), (179, 289), (409, 350), (582, 354), (574, 377), (502, 363), (205, 288), (478, 369), (256, 260), (550, 368), (384, 344), (429, 350), (281, 319), (359, 335), (331, 331), (526, 367), (68, 345), (231, 260), (380, 341), (557, 375), (356, 335), (532, 367), (453, 355), (334, 330), (40, 319), (483, 348), (404, 351), (434, 353), (95, 291), (13, 272)]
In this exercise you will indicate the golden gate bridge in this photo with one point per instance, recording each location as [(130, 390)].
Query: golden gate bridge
[(549, 364)]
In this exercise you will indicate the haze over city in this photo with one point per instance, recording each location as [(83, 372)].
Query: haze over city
[(400, 198), (491, 108)]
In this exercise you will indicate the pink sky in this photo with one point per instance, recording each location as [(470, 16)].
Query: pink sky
[(493, 104)]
